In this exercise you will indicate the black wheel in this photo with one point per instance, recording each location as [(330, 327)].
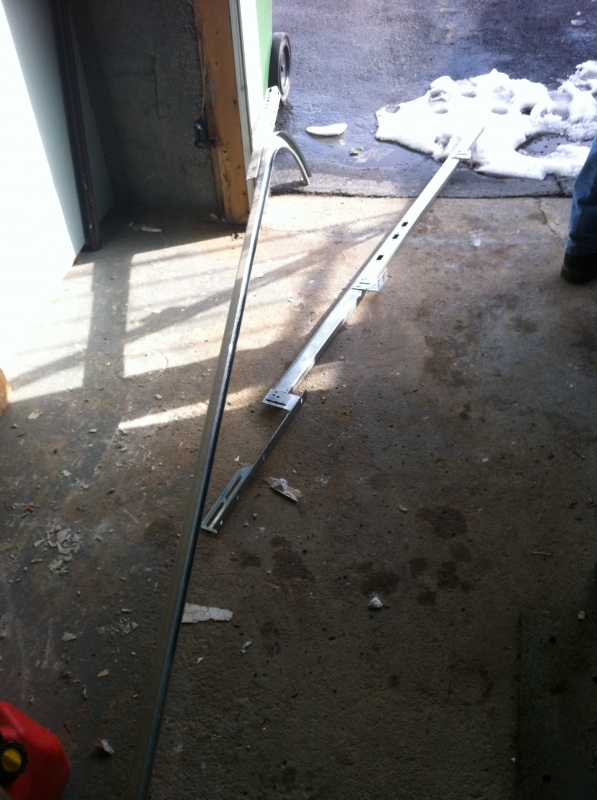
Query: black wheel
[(279, 64)]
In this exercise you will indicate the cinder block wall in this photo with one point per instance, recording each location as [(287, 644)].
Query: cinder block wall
[(142, 65)]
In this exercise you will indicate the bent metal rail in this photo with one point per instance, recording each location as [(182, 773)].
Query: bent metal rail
[(154, 699), (371, 277)]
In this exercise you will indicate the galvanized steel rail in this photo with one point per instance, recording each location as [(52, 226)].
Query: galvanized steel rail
[(371, 278), (154, 699)]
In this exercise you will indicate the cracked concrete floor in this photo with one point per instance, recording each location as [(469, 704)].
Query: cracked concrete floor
[(446, 456)]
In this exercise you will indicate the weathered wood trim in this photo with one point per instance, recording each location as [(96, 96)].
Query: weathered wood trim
[(5, 391), (216, 55)]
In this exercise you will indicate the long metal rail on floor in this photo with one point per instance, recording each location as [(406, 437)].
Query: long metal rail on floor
[(370, 278), (154, 700)]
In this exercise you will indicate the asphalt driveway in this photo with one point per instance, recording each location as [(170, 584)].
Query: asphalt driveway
[(352, 58)]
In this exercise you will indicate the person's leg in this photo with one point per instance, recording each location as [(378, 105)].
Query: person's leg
[(580, 259)]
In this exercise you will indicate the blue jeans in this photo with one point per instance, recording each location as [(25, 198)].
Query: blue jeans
[(582, 233)]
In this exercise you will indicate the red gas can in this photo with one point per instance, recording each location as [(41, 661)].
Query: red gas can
[(33, 765)]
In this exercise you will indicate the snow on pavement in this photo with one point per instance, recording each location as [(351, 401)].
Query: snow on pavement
[(511, 112)]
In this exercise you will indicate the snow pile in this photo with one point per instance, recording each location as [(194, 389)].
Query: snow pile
[(511, 112)]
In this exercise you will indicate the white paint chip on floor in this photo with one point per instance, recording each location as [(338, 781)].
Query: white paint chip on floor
[(511, 111)]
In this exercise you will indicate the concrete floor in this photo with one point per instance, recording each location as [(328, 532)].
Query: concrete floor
[(446, 456)]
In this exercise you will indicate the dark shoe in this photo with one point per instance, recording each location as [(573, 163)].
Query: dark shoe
[(579, 269)]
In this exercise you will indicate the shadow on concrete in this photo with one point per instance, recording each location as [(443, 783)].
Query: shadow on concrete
[(445, 448)]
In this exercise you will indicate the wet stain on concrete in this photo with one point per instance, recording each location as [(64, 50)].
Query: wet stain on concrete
[(444, 521), (587, 340), (446, 575), (423, 311), (249, 559), (500, 303), (465, 412), (161, 532), (489, 684), (383, 580), (537, 216), (522, 325), (285, 779), (441, 363), (270, 635), (418, 566), (289, 565), (427, 598), (323, 792), (460, 552)]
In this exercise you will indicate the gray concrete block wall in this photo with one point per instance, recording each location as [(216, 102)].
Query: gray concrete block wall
[(142, 64)]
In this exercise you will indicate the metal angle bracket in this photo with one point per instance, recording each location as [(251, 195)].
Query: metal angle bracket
[(279, 399), (370, 278), (223, 505), (365, 284), (462, 154)]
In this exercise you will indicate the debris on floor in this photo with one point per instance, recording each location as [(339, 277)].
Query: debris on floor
[(300, 580), (63, 539), (104, 746), (281, 485), (194, 613), (327, 130), (145, 228), (128, 626)]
